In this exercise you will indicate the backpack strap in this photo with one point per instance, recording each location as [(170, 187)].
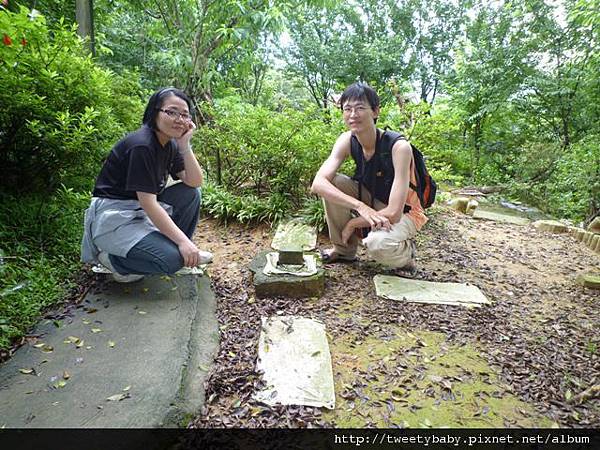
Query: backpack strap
[(358, 156)]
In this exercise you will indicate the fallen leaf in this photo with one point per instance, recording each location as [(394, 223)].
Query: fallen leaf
[(27, 371), (47, 349), (118, 397), (126, 388), (40, 345), (60, 384), (66, 375), (111, 344), (317, 353), (142, 312), (446, 384), (86, 321), (96, 330)]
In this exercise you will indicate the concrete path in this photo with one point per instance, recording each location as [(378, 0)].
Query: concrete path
[(133, 355)]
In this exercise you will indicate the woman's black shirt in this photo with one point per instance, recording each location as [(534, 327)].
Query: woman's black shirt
[(138, 163)]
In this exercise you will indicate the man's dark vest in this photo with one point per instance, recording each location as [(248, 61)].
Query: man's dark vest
[(377, 174)]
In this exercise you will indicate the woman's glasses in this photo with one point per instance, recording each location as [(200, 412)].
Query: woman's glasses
[(176, 114)]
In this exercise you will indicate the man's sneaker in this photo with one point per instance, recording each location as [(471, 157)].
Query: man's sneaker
[(105, 261), (204, 257)]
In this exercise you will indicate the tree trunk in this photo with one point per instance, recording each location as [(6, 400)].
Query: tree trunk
[(84, 15)]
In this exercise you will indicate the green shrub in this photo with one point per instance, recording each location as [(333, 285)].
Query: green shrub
[(437, 135), (253, 150), (572, 190), (61, 113)]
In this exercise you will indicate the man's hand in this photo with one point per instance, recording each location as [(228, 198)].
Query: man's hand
[(189, 252), (376, 220)]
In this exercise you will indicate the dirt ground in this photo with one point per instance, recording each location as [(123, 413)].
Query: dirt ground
[(518, 363)]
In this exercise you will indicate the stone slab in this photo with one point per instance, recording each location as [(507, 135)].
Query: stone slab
[(552, 226), (593, 243), (146, 346), (497, 217), (293, 355), (417, 291), (589, 280), (285, 285), (594, 225), (294, 235), (459, 204), (472, 206)]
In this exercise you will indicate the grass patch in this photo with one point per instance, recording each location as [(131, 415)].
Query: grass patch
[(417, 380), (39, 256)]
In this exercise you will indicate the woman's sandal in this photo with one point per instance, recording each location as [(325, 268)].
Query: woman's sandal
[(331, 256)]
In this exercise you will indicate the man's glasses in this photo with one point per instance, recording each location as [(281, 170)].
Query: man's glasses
[(176, 114), (357, 109)]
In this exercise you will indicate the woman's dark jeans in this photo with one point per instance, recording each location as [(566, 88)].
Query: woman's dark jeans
[(156, 253)]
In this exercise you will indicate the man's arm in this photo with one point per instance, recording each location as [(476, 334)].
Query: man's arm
[(323, 186), (166, 226)]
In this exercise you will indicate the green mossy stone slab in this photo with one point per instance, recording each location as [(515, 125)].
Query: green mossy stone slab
[(285, 285), (589, 280), (294, 234), (418, 291)]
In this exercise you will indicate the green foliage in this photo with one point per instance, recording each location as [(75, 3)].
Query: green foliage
[(573, 186), (313, 213), (225, 206), (61, 113), (435, 134), (39, 255), (189, 44), (251, 150)]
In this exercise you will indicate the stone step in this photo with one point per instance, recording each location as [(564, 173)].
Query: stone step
[(417, 291), (552, 226), (294, 357), (497, 217), (589, 280), (285, 285), (294, 235)]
